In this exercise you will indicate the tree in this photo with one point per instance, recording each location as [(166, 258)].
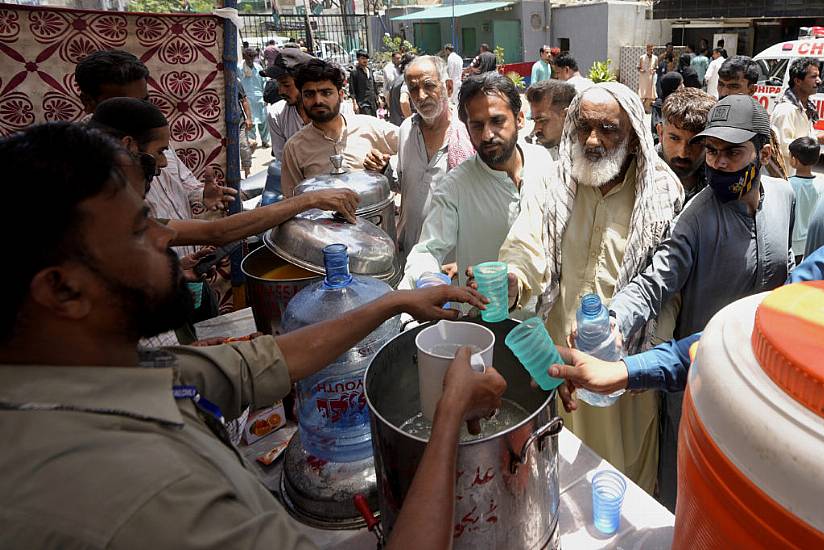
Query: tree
[(171, 6)]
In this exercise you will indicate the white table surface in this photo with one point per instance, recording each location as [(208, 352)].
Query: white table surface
[(644, 522)]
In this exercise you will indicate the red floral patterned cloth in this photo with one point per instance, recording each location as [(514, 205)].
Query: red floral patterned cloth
[(39, 48)]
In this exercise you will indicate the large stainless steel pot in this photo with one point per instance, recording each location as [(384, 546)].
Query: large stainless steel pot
[(269, 297), (376, 204), (507, 493)]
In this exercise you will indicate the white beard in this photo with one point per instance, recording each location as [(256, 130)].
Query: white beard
[(435, 112), (597, 173)]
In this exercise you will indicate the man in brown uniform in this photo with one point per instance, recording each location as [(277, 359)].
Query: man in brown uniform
[(101, 453)]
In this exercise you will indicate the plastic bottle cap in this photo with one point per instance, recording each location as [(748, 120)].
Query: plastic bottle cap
[(788, 341)]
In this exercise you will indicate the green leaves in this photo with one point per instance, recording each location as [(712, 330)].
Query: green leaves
[(600, 72)]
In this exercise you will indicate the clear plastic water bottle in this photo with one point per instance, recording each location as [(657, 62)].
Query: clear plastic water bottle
[(333, 418), (595, 338)]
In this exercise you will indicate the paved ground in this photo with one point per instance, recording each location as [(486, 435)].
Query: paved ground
[(261, 157)]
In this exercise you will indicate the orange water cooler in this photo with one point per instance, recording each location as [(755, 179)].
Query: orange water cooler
[(751, 442)]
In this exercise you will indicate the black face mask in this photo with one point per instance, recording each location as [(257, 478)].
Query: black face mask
[(733, 185)]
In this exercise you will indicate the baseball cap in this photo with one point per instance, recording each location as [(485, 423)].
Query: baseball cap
[(736, 119), (285, 62)]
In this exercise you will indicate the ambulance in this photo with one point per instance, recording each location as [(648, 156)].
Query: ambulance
[(775, 61)]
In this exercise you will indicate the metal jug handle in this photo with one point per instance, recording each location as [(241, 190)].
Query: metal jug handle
[(550, 429)]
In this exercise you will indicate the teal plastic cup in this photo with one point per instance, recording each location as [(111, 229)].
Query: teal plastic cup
[(196, 290), (492, 283), (534, 348)]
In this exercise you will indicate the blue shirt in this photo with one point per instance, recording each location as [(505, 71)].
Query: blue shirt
[(700, 63), (815, 231), (665, 366), (540, 71), (808, 189)]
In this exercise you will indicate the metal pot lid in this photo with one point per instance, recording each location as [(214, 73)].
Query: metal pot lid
[(372, 187), (301, 241)]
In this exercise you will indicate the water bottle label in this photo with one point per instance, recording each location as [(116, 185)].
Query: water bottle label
[(340, 402)]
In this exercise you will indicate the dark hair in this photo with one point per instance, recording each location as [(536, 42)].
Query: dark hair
[(489, 83), (668, 44), (361, 53), (798, 68), (719, 50), (740, 64), (759, 141), (317, 70), (406, 59), (484, 46), (560, 93), (107, 67), (684, 60), (691, 47), (271, 43), (127, 116), (566, 60), (805, 150), (81, 163), (687, 109)]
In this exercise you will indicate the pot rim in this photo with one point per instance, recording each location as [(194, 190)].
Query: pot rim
[(246, 273), (545, 405)]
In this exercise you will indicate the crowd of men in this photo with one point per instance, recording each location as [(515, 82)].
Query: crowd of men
[(665, 234)]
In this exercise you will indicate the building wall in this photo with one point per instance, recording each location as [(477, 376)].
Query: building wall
[(586, 27), (678, 9), (597, 31), (481, 22), (535, 31)]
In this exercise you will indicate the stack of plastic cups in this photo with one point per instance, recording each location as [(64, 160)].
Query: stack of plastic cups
[(492, 283), (532, 345), (429, 279), (608, 489), (196, 290)]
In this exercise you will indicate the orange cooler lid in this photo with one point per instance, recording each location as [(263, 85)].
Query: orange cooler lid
[(788, 340)]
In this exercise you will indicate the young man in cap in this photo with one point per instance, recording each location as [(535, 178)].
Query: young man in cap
[(362, 86), (733, 239), (739, 75), (286, 117)]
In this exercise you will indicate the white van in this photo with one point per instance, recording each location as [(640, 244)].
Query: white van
[(775, 62)]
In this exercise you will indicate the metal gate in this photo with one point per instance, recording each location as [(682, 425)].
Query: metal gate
[(332, 37)]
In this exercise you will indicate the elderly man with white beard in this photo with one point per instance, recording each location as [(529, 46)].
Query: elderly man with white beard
[(431, 142), (611, 203)]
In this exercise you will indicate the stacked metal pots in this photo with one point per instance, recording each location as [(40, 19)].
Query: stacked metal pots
[(300, 241)]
